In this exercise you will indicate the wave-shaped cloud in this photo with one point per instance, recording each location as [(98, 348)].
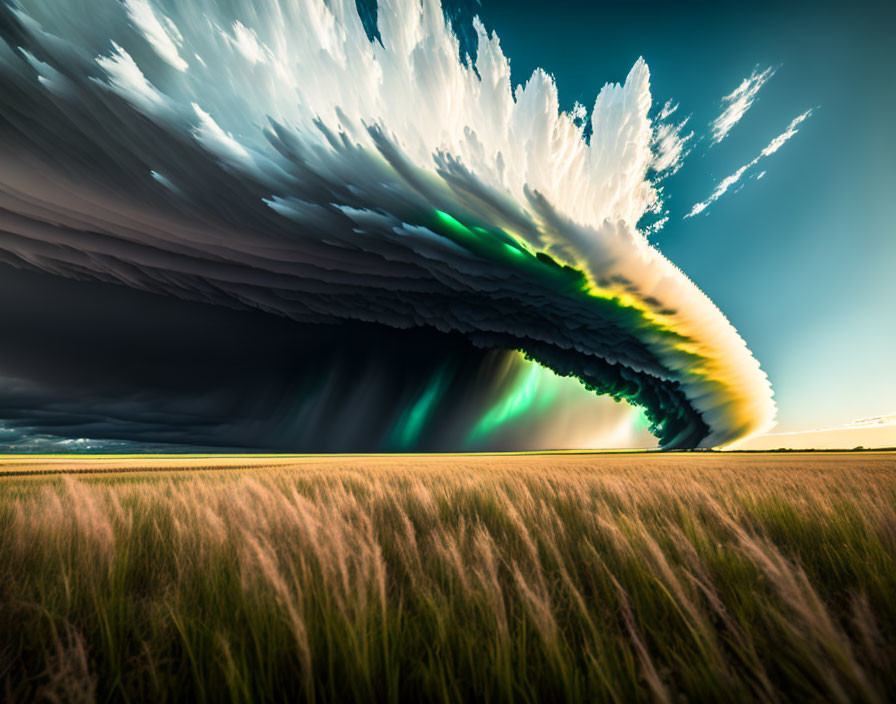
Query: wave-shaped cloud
[(275, 157)]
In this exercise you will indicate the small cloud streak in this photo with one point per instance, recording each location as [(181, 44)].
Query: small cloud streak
[(879, 431), (874, 421), (731, 180), (737, 103)]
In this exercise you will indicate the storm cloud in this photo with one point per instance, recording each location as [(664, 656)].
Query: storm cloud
[(411, 218)]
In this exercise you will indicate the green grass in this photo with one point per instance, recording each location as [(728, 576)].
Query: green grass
[(455, 578)]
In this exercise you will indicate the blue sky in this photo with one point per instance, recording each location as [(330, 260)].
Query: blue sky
[(802, 260)]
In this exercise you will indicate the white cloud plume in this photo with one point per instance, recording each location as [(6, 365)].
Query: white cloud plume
[(731, 180), (126, 79), (246, 42), (737, 103), (163, 39), (670, 144)]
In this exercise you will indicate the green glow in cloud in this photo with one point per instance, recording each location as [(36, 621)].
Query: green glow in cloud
[(413, 421), (534, 390)]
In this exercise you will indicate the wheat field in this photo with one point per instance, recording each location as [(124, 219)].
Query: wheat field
[(504, 578)]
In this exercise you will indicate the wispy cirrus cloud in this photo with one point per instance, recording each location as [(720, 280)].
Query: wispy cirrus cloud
[(731, 180), (670, 143), (874, 422), (876, 432), (737, 103)]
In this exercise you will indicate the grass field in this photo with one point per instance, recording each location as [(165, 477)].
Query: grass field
[(568, 577)]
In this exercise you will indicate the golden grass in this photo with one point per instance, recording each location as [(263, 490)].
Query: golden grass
[(448, 578)]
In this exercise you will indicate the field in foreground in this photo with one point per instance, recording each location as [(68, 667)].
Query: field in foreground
[(450, 578)]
